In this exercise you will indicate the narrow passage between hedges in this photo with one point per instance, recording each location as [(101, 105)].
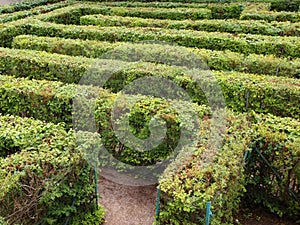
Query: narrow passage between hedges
[(127, 205)]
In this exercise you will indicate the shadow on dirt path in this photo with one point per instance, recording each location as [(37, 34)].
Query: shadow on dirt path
[(127, 205)]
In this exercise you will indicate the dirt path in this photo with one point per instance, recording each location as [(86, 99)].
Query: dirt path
[(6, 2), (127, 205)]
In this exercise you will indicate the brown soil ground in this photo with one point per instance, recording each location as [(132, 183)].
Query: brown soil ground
[(260, 216), (127, 205)]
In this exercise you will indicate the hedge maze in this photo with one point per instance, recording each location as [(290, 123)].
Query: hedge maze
[(253, 51)]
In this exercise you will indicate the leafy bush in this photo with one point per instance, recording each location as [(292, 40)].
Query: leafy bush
[(46, 182)]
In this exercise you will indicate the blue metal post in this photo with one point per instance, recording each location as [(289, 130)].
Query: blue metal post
[(157, 208), (208, 213)]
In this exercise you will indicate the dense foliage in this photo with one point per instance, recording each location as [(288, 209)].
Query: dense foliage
[(46, 180)]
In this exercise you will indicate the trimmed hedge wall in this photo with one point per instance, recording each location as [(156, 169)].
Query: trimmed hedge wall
[(278, 5), (191, 180), (71, 15), (25, 5), (47, 181), (177, 126), (187, 186), (277, 140), (175, 14), (216, 60), (230, 26), (243, 43), (43, 100), (31, 12), (72, 47), (261, 11), (16, 132), (267, 94), (218, 11), (9, 30), (42, 65)]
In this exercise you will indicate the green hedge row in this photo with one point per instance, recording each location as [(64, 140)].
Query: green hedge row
[(285, 5), (277, 140), (66, 15), (243, 43), (278, 5), (25, 5), (175, 14), (218, 11), (14, 16), (266, 94), (43, 100), (230, 26), (46, 181), (192, 179), (9, 30), (15, 133), (42, 65), (187, 186), (261, 11), (70, 15), (31, 12), (179, 127), (216, 60), (165, 5), (72, 47)]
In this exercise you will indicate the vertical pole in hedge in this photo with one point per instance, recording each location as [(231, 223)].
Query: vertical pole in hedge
[(277, 71), (96, 180), (82, 52), (247, 100), (157, 207), (208, 213)]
